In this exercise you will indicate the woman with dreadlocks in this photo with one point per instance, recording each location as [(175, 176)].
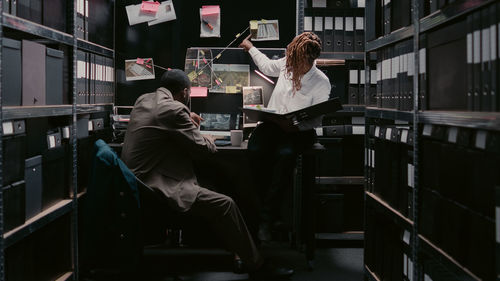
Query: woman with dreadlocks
[(272, 151)]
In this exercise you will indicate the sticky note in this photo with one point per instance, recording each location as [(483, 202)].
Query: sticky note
[(205, 60), (264, 21), (8, 128), (231, 90), (254, 24), (212, 10), (140, 61), (198, 92), (52, 141), (192, 75), (150, 7)]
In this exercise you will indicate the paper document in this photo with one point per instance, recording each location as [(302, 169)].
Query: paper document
[(166, 12), (135, 15)]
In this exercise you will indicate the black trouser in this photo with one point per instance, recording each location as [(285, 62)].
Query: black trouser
[(272, 154)]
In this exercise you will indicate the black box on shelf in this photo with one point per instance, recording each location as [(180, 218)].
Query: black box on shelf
[(14, 151), (34, 186), (12, 74), (29, 9), (55, 187), (55, 14), (13, 206), (36, 130), (330, 214), (54, 76), (33, 68)]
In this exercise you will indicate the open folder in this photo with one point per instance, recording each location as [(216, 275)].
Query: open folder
[(290, 121)]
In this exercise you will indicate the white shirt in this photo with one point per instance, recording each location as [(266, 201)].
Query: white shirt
[(315, 87)]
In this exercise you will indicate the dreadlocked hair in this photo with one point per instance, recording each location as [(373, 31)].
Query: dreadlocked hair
[(300, 55)]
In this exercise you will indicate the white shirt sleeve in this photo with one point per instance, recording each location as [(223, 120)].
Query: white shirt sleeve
[(266, 65)]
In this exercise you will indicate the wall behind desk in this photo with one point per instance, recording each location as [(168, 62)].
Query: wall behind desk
[(167, 42)]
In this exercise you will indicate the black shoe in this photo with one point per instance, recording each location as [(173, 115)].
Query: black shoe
[(270, 272)]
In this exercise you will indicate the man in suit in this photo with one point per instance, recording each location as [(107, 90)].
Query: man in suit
[(162, 140)]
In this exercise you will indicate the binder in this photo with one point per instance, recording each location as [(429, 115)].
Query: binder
[(485, 60), (54, 76), (14, 208), (349, 34), (476, 39), (33, 69), (80, 74), (86, 21), (308, 23), (371, 20), (11, 79), (92, 79), (55, 14), (422, 72), (6, 6), (401, 79), (80, 7), (23, 9), (433, 5), (423, 8), (318, 29), (353, 84), (387, 16), (338, 35), (361, 93), (36, 11), (411, 73), (359, 35), (394, 102), (470, 63), (33, 180), (386, 77), (328, 42), (379, 78), (372, 99), (13, 7), (493, 58)]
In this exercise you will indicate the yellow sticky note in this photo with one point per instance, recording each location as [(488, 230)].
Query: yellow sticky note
[(238, 85), (202, 52), (192, 75), (231, 90), (253, 24), (264, 21)]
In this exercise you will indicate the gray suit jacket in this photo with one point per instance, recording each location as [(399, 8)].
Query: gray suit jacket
[(160, 145)]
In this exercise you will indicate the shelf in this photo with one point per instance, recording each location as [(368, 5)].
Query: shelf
[(390, 211), (371, 275), (23, 112), (341, 180), (451, 12), (33, 28), (38, 221), (66, 276), (342, 55), (395, 36), (350, 235), (475, 120), (352, 108), (93, 108), (387, 113), (442, 257), (94, 48)]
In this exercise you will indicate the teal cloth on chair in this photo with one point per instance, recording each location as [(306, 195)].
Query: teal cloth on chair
[(112, 236)]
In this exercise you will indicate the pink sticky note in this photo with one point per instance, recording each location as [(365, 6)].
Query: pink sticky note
[(140, 61), (150, 7), (204, 60), (199, 92), (210, 10)]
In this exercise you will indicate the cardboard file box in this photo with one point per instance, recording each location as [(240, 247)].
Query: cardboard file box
[(14, 151), (33, 179), (54, 176), (12, 74), (13, 206), (54, 76)]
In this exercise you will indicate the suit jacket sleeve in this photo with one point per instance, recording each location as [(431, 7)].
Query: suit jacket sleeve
[(184, 131)]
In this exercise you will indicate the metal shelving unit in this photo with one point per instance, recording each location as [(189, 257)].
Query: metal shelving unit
[(477, 120), (424, 251), (396, 36), (451, 12), (19, 24), (342, 56), (37, 222), (387, 113), (22, 28)]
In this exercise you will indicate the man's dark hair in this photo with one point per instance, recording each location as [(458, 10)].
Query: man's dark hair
[(175, 80)]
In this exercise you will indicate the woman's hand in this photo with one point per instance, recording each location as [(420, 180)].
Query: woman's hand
[(246, 44)]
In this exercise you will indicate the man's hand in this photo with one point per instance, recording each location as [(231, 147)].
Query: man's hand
[(246, 44), (196, 119)]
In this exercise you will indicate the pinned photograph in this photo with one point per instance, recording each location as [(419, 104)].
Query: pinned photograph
[(252, 95), (166, 12), (139, 69), (264, 30), (230, 78)]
